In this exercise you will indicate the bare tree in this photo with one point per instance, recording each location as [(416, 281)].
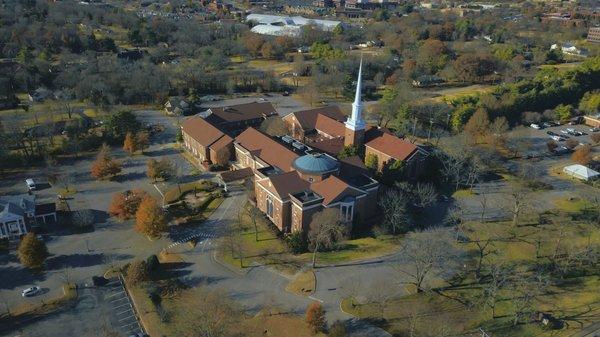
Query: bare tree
[(425, 194), (253, 213), (518, 202), (396, 217), (499, 278), (326, 231), (485, 247), (83, 218), (527, 288), (425, 253), (380, 295)]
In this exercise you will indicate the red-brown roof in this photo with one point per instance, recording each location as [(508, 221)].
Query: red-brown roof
[(352, 166), (333, 189), (308, 118), (331, 146), (330, 126), (267, 149), (221, 143), (391, 145), (201, 131), (229, 176), (285, 184), (242, 112)]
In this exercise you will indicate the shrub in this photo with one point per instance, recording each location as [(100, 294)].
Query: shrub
[(338, 329), (315, 317), (152, 263), (137, 272), (297, 242)]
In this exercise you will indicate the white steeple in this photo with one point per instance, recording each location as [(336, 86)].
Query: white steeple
[(356, 122)]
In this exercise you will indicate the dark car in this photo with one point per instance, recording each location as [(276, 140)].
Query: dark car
[(551, 133), (99, 281)]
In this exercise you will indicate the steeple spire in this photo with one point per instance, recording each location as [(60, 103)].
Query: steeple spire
[(355, 122)]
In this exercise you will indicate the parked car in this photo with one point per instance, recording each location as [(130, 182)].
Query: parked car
[(535, 126), (547, 125), (595, 129), (551, 133), (30, 291), (557, 138), (30, 184)]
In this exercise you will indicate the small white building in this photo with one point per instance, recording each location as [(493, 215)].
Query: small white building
[(569, 49), (580, 172), (17, 212)]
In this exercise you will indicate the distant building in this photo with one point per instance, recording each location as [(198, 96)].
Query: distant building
[(569, 49), (177, 106), (425, 81), (19, 212), (287, 25), (581, 172), (594, 35)]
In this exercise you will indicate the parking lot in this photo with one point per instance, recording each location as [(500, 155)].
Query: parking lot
[(534, 141)]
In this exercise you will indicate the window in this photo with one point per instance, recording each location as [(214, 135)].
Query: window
[(269, 207), (346, 212)]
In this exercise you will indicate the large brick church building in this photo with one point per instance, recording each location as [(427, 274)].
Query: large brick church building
[(298, 175)]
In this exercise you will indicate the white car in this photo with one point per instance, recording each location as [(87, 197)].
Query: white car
[(535, 126), (30, 291), (30, 184), (564, 131)]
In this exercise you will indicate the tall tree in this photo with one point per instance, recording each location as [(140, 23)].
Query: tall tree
[(149, 218), (425, 253), (325, 232), (104, 166), (32, 252), (395, 215), (130, 144)]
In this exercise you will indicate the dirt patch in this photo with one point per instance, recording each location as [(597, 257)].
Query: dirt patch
[(303, 284)]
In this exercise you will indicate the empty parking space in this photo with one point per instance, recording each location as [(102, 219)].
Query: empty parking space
[(123, 316)]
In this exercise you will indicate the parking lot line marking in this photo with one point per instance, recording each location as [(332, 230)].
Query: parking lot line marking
[(122, 305), (122, 312), (130, 324), (126, 318), (117, 293), (118, 299)]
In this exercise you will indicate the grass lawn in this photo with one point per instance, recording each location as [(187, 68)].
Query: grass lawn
[(271, 250), (269, 322), (278, 67), (573, 300), (176, 192)]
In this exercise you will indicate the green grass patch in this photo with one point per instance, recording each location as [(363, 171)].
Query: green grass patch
[(572, 205), (463, 193), (358, 249)]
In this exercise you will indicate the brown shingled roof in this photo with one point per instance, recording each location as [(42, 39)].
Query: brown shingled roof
[(267, 149), (201, 131), (391, 145), (242, 112), (221, 143), (333, 189), (229, 176), (285, 184), (330, 126), (331, 146), (308, 118)]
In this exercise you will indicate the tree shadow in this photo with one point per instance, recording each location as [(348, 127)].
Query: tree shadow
[(160, 153), (74, 261), (129, 176), (15, 276)]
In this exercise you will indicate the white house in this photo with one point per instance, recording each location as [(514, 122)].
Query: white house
[(17, 212), (580, 172), (569, 49)]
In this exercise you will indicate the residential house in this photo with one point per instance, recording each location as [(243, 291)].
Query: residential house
[(177, 106), (594, 35), (236, 118), (19, 212), (205, 142)]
